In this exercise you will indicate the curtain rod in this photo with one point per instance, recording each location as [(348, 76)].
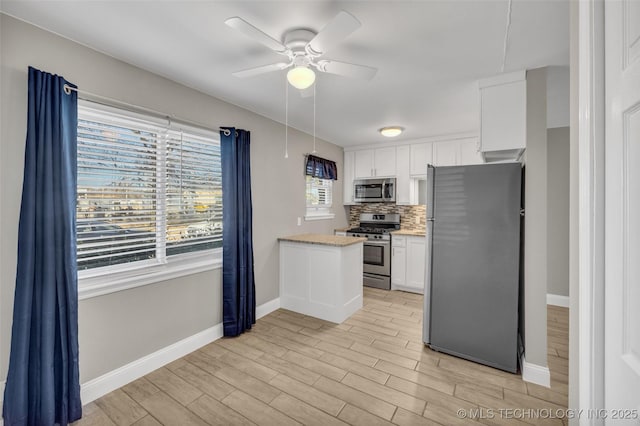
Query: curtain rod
[(88, 96)]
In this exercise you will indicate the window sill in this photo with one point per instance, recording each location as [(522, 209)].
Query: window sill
[(92, 285), (322, 216)]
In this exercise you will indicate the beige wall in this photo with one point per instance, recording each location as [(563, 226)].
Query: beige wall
[(558, 211), (118, 328), (535, 241)]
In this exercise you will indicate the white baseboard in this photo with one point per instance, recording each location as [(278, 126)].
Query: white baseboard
[(267, 307), (557, 300), (534, 373), (94, 389)]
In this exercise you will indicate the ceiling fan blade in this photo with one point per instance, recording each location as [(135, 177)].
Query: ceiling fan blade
[(334, 32), (261, 70), (249, 30), (348, 70)]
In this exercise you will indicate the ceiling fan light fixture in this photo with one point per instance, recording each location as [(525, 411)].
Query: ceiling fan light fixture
[(301, 77), (391, 131)]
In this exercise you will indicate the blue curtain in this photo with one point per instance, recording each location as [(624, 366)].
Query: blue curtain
[(321, 168), (43, 386), (238, 282)]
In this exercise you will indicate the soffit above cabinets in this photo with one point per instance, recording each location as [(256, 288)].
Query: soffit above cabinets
[(429, 54)]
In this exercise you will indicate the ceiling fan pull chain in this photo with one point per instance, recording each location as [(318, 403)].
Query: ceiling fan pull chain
[(314, 117), (286, 119)]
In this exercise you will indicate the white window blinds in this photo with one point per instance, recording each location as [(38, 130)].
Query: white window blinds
[(145, 192), (319, 193)]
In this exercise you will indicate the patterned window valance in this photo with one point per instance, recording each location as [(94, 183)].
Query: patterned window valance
[(321, 168)]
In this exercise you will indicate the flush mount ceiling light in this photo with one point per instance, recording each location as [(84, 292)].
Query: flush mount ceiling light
[(391, 131), (301, 77)]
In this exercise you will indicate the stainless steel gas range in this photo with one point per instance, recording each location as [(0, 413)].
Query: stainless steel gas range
[(377, 249)]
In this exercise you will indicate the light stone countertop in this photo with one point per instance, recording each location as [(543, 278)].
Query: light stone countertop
[(323, 239), (409, 232)]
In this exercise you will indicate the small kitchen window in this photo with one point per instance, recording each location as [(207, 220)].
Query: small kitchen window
[(319, 198), (320, 174)]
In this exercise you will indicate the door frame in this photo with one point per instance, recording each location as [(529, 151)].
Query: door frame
[(591, 203)]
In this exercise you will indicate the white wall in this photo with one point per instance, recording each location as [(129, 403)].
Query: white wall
[(535, 241), (121, 327), (557, 97), (558, 211)]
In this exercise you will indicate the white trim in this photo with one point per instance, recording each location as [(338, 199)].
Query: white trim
[(557, 300), (319, 216), (94, 389), (591, 341), (534, 373), (192, 263), (267, 307)]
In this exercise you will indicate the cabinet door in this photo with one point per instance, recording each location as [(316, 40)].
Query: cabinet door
[(405, 185), (421, 155), (399, 266), (347, 176), (445, 153), (469, 153), (503, 119), (363, 163), (385, 162), (416, 263)]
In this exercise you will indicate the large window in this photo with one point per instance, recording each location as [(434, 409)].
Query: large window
[(147, 193)]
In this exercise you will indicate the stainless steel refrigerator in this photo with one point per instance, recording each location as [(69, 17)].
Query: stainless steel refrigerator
[(473, 262)]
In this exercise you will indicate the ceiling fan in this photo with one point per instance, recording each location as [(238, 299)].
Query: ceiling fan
[(304, 49)]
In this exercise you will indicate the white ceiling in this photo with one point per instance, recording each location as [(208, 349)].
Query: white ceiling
[(429, 54)]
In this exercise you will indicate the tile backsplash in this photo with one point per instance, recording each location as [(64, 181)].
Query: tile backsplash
[(408, 214)]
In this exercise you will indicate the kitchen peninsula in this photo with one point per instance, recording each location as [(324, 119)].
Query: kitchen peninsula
[(321, 275)]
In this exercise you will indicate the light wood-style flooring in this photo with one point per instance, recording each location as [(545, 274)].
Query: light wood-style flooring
[(370, 370)]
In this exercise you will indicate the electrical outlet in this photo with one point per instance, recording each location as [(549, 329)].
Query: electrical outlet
[(299, 221), (417, 220)]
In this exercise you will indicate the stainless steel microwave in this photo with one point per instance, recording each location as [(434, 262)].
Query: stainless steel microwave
[(374, 190)]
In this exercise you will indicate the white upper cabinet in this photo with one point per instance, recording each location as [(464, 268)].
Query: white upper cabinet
[(421, 155), (380, 162), (462, 152), (347, 177), (445, 153), (385, 162), (503, 112), (405, 186), (469, 152), (364, 163)]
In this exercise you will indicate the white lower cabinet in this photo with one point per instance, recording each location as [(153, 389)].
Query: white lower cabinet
[(398, 262), (408, 260)]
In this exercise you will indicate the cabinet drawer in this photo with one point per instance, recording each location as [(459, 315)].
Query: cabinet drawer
[(398, 241)]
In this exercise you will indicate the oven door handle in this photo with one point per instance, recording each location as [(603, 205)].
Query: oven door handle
[(377, 243)]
